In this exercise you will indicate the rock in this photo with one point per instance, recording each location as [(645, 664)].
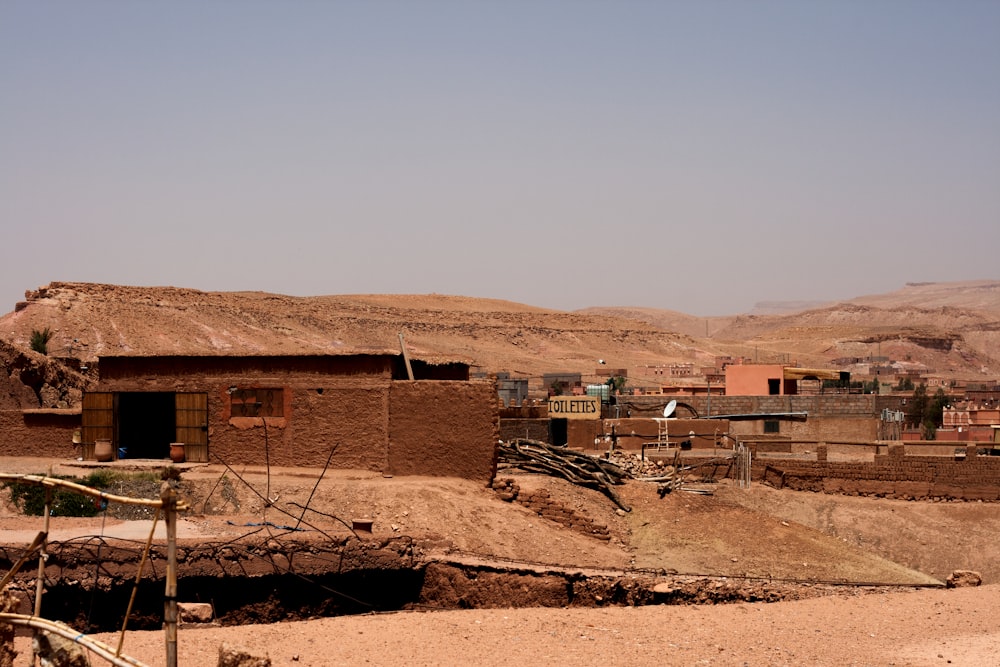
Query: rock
[(9, 602), (237, 656), (195, 612), (56, 651), (964, 579)]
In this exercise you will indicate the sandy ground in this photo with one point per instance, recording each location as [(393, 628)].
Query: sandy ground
[(911, 627), (917, 628)]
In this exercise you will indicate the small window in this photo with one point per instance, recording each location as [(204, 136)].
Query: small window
[(774, 386), (257, 403), (771, 426)]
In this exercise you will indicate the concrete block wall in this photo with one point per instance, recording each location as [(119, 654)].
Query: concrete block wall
[(824, 405)]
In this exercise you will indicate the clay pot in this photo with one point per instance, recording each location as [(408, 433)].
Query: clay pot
[(177, 452), (103, 451)]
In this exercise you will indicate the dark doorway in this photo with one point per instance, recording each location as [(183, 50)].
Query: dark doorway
[(774, 386), (146, 425), (558, 432)]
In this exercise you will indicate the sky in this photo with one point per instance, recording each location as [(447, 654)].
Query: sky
[(692, 155)]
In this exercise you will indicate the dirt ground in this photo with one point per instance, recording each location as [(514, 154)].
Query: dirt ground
[(918, 629), (926, 628), (757, 532)]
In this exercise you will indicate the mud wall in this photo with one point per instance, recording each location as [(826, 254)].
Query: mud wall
[(813, 428), (273, 581), (38, 433), (427, 427), (443, 428), (541, 502), (580, 433), (246, 582), (521, 427), (352, 419), (319, 412), (894, 475), (633, 433)]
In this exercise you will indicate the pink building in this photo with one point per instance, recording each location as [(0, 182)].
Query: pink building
[(772, 379)]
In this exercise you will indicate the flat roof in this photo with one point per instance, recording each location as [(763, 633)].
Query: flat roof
[(793, 373), (431, 359)]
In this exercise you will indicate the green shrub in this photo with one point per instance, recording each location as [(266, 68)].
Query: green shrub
[(40, 340), (30, 498)]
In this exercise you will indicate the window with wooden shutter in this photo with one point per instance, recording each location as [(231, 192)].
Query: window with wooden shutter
[(257, 403)]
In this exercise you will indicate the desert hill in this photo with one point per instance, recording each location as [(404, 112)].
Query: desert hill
[(971, 294), (670, 320), (953, 329), (92, 320)]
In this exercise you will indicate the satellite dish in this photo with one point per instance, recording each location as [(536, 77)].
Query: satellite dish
[(669, 410)]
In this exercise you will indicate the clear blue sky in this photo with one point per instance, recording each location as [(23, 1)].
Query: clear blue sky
[(693, 155)]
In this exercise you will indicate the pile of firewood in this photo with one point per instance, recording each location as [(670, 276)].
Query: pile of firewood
[(535, 456)]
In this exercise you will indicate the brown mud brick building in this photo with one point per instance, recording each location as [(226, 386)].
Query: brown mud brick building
[(39, 432), (357, 410)]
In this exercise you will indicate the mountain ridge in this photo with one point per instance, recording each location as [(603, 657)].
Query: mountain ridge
[(955, 331)]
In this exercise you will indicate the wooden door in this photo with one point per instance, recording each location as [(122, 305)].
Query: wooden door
[(98, 419), (191, 412)]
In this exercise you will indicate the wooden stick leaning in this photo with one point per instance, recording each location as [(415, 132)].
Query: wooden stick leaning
[(581, 469)]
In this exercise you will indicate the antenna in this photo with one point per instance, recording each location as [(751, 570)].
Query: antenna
[(669, 410)]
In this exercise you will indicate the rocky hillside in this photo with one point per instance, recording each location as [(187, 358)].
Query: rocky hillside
[(953, 329), (971, 295), (32, 380), (91, 320)]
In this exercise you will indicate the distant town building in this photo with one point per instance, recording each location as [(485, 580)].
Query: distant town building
[(561, 383), (512, 392), (970, 421), (681, 370), (774, 379)]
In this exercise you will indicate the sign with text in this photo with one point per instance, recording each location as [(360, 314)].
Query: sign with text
[(574, 407)]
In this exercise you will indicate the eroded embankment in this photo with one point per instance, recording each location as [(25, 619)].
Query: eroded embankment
[(88, 584)]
